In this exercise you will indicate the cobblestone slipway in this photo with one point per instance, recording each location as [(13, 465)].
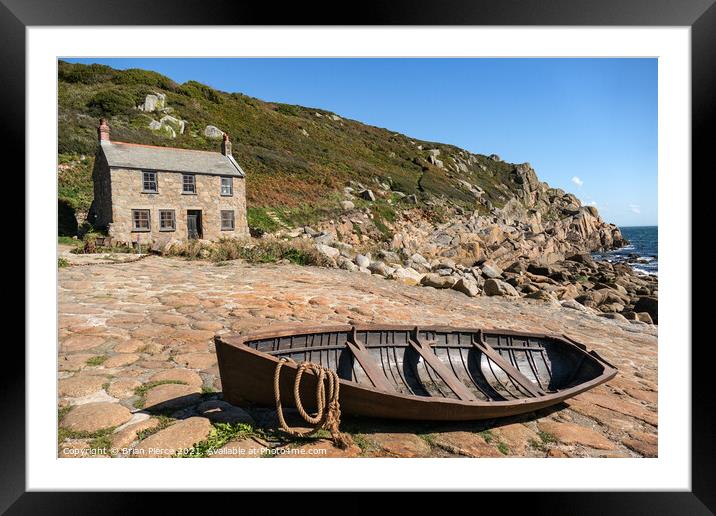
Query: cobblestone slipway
[(138, 373)]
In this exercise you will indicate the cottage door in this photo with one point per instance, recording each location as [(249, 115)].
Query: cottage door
[(192, 226)]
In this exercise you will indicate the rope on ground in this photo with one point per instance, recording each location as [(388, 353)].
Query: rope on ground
[(328, 415)]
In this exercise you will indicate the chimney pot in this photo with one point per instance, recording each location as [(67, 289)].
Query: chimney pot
[(226, 145), (103, 130)]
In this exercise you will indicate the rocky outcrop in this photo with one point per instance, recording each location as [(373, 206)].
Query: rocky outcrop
[(153, 102), (433, 158), (368, 195), (169, 125), (523, 228), (496, 287), (537, 244), (211, 131), (650, 305), (438, 281), (531, 187), (494, 258)]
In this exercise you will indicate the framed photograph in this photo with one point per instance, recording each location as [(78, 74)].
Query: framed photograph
[(433, 234)]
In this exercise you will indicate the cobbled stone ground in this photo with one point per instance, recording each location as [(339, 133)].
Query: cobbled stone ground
[(137, 372)]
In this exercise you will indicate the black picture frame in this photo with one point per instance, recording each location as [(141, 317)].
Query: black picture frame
[(700, 15)]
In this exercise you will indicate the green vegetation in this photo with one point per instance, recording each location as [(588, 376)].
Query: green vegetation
[(259, 251), (383, 213), (503, 448), (97, 437), (363, 443), (546, 437), (257, 218), (111, 103), (487, 435), (308, 214), (62, 262), (537, 445), (221, 434), (141, 391), (74, 191), (101, 444), (89, 245), (164, 421), (100, 440), (297, 177), (428, 438), (95, 361), (288, 109), (62, 412), (75, 180), (67, 240), (96, 73), (437, 214)]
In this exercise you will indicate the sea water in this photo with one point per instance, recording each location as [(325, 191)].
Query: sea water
[(642, 253)]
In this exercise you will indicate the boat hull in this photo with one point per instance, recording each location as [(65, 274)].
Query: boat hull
[(247, 377)]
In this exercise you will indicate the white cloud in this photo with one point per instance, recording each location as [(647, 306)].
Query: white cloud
[(592, 203), (577, 181), (635, 208)]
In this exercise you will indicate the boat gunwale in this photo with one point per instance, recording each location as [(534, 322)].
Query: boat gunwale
[(239, 342)]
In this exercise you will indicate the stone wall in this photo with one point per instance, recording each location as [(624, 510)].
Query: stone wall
[(100, 214), (127, 195)]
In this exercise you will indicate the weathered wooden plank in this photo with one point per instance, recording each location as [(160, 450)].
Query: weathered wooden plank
[(364, 358), (455, 385), (508, 368)]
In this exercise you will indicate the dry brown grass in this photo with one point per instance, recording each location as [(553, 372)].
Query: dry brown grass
[(264, 250)]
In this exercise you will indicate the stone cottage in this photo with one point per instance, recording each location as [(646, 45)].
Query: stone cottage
[(160, 194)]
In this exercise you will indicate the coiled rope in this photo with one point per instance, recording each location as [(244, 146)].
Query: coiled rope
[(328, 415)]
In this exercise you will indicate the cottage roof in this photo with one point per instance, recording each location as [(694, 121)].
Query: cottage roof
[(134, 155)]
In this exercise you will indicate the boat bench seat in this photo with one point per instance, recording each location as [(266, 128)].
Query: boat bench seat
[(363, 357)]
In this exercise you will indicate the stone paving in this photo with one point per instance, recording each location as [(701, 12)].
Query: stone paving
[(138, 373)]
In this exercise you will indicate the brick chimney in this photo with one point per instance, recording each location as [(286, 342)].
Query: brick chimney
[(103, 130), (226, 146)]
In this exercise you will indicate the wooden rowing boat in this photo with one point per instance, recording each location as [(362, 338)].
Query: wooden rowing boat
[(426, 373)]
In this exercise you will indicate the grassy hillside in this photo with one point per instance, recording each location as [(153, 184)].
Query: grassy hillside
[(297, 159)]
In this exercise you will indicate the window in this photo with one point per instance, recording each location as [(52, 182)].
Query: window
[(140, 220), (189, 183), (227, 186), (167, 220), (227, 220), (149, 182)]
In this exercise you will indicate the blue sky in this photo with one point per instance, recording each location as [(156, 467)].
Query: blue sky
[(588, 126)]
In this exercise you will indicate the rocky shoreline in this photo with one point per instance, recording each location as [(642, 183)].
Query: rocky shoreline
[(538, 247), (614, 291)]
